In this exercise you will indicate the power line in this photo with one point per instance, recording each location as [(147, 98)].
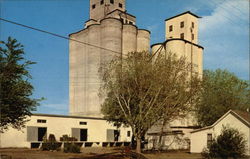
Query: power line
[(219, 5), (67, 38), (60, 36), (235, 7)]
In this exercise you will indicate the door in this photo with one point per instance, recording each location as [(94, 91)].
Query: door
[(116, 135), (41, 133), (83, 134)]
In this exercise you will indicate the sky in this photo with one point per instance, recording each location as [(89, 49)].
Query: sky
[(223, 32)]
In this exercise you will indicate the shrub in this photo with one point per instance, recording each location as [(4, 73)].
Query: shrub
[(50, 144), (67, 138), (71, 147), (230, 143)]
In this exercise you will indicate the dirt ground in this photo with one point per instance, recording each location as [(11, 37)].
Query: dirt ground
[(88, 153)]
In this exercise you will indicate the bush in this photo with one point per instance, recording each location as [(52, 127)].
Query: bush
[(230, 143), (71, 147), (50, 144), (67, 138)]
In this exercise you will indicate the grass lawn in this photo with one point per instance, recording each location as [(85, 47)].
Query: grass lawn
[(88, 153)]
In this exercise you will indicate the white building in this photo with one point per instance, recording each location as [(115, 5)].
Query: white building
[(88, 131), (234, 119)]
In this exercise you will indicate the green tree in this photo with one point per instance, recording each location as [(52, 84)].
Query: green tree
[(222, 91), (230, 143), (139, 93), (15, 89)]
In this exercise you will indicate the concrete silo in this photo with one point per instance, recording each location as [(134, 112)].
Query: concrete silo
[(108, 35)]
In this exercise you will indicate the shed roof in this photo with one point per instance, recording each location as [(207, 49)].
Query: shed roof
[(244, 117)]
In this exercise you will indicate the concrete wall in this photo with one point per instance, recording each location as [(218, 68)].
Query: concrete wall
[(85, 60), (101, 10), (177, 30), (124, 16), (61, 125), (192, 53), (143, 40), (129, 39), (199, 139), (169, 142)]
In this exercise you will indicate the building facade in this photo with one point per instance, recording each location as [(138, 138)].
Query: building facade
[(201, 138), (182, 40), (115, 34), (88, 131)]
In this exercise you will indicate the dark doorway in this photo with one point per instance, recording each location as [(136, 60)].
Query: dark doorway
[(41, 133), (83, 134), (116, 135)]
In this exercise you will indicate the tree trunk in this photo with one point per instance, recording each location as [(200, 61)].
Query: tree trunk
[(138, 145), (161, 135)]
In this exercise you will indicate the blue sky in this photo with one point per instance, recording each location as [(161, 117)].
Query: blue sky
[(224, 33)]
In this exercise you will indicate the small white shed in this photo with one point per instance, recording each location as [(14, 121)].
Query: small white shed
[(200, 138)]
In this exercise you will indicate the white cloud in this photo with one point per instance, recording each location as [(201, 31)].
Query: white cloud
[(225, 36), (230, 14)]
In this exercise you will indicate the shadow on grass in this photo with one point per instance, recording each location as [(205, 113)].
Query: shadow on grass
[(113, 155)]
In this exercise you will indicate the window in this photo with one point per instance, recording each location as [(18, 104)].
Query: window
[(130, 22), (128, 133), (112, 1), (120, 5), (170, 28), (192, 36), (182, 24), (102, 1), (41, 121), (93, 6), (192, 24), (170, 37), (82, 123), (182, 35), (209, 139)]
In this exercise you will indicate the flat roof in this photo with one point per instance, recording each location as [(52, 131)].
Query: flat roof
[(187, 12), (67, 116)]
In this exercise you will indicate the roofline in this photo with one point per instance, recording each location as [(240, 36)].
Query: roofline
[(66, 116), (204, 128), (178, 39), (221, 118), (90, 20), (145, 30), (156, 44), (240, 118), (122, 12), (77, 32), (187, 12)]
